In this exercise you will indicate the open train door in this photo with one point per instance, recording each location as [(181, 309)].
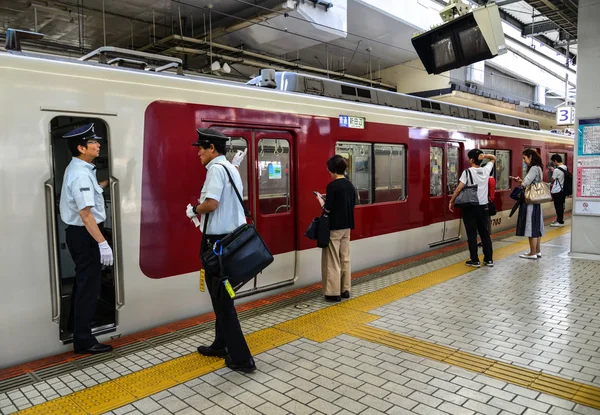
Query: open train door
[(444, 173), (268, 177)]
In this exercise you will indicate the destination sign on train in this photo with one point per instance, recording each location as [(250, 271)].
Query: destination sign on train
[(352, 122)]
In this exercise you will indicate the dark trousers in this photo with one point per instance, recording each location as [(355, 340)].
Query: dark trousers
[(86, 255), (228, 332), (477, 219), (559, 205)]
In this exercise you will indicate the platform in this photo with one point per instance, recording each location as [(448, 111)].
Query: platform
[(425, 335)]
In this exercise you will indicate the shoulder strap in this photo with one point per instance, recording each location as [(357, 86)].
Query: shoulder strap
[(564, 170), (246, 212), (470, 176)]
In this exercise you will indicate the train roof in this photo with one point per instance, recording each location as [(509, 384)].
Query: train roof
[(299, 84)]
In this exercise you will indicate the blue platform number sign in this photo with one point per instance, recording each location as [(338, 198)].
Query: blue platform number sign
[(347, 121), (565, 115)]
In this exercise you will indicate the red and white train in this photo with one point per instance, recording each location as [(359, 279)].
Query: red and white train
[(405, 164)]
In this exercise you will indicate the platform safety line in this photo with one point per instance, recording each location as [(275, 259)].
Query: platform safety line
[(566, 389), (321, 325)]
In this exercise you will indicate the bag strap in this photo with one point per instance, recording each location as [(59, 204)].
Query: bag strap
[(246, 211), (470, 176)]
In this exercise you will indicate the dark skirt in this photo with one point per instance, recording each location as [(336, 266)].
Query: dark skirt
[(530, 221)]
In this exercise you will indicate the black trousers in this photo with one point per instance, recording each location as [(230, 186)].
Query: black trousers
[(477, 219), (559, 205), (86, 255), (228, 332)]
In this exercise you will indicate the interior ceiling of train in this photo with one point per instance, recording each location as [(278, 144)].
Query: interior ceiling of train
[(236, 38)]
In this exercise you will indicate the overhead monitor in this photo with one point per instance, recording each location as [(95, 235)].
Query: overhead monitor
[(470, 38)]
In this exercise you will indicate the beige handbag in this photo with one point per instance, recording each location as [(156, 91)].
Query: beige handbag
[(537, 193)]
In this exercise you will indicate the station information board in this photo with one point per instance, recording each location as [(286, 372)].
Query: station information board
[(588, 167)]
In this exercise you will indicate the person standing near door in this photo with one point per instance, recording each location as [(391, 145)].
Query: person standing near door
[(558, 194), (219, 200), (339, 205), (82, 209), (476, 218)]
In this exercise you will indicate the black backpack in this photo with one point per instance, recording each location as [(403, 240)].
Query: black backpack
[(567, 188)]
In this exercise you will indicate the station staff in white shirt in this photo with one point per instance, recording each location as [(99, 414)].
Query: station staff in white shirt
[(225, 214), (82, 209)]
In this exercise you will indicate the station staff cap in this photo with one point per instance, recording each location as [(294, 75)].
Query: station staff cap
[(82, 134), (206, 136)]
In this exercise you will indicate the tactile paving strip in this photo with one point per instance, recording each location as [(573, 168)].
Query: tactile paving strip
[(585, 394)]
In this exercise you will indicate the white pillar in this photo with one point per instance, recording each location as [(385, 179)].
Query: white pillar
[(585, 238)]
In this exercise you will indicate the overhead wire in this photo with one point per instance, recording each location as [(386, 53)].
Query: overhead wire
[(449, 77)]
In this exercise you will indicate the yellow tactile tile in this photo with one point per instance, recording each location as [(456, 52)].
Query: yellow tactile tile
[(326, 324), (190, 367), (146, 382), (553, 385), (268, 339), (101, 398), (60, 406)]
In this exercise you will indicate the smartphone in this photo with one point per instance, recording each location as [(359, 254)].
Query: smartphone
[(318, 194)]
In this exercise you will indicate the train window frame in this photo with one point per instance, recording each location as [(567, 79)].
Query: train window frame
[(244, 167), (496, 177), (284, 172), (401, 150), (342, 149)]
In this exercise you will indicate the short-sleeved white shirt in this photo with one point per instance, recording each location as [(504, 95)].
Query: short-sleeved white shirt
[(229, 214), (80, 189), (480, 178), (558, 177)]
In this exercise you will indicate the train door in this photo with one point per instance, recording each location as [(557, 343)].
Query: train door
[(444, 172), (267, 174), (62, 266)]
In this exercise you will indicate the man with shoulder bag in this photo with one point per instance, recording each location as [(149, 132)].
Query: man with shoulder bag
[(222, 213), (474, 180)]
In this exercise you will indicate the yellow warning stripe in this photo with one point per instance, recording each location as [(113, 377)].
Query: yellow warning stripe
[(563, 388), (349, 317)]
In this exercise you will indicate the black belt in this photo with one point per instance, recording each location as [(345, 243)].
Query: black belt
[(100, 226)]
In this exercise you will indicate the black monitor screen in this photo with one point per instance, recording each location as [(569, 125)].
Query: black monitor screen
[(473, 45), (443, 53)]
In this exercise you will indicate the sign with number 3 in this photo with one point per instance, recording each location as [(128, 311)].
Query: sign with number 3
[(565, 115)]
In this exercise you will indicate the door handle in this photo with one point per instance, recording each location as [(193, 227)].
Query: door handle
[(53, 250), (116, 240)]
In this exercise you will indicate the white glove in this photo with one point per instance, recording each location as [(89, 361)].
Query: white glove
[(106, 253), (190, 211), (239, 157)]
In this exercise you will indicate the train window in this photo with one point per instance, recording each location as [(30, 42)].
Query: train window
[(363, 93), (425, 104), (274, 176), (452, 172), (501, 170), (436, 106), (436, 161), (358, 156), (390, 173), (235, 144), (348, 90)]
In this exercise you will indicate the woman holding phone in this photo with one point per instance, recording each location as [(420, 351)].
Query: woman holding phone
[(339, 205), (530, 221)]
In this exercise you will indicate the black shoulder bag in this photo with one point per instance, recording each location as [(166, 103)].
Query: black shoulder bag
[(468, 194), (240, 255)]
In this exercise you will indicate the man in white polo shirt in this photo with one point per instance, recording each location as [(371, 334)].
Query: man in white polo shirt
[(476, 218), (219, 202)]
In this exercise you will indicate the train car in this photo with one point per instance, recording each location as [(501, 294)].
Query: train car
[(404, 163)]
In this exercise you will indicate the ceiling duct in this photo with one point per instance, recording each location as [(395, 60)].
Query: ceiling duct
[(279, 35)]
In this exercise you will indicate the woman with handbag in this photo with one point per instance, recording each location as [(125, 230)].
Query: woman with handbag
[(530, 221), (339, 203)]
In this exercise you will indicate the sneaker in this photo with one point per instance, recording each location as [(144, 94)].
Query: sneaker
[(553, 223), (474, 264), (526, 256), (488, 263), (539, 254)]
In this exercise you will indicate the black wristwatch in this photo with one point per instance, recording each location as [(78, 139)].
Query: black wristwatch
[(194, 209)]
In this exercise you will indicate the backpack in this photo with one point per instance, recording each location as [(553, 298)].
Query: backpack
[(567, 188)]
